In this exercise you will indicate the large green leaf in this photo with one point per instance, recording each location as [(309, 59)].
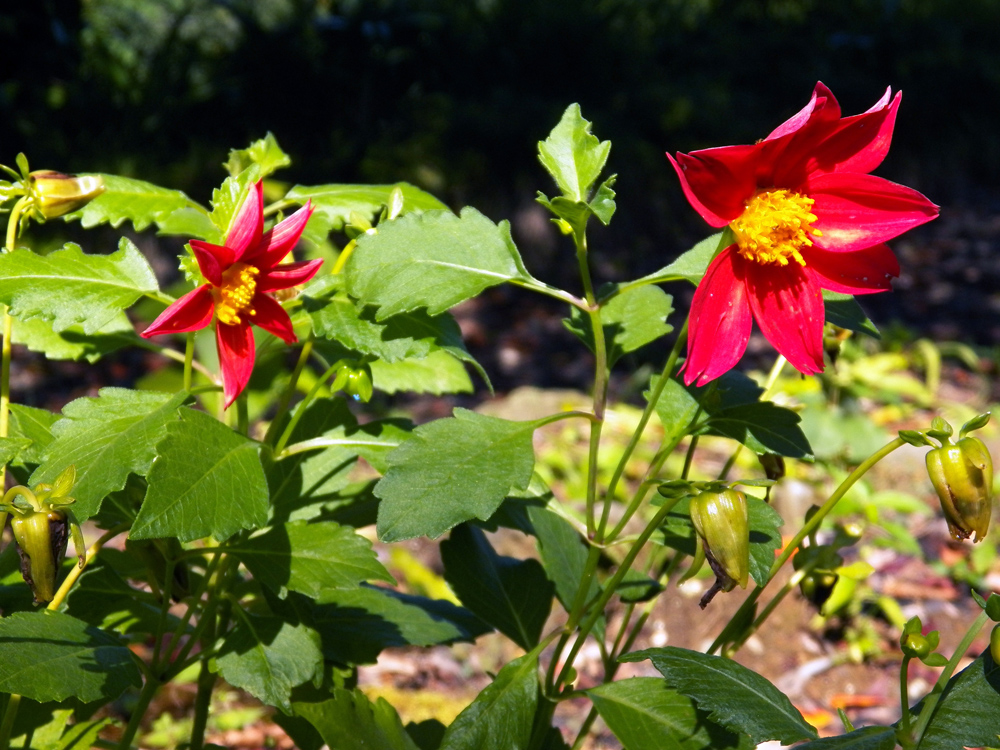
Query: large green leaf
[(732, 695), (107, 438), (765, 537), (630, 320), (437, 373), (572, 155), (126, 199), (104, 599), (433, 260), (501, 716), (349, 721), (264, 152), (453, 470), (268, 656), (68, 288), (336, 202), (34, 425), (50, 656), (207, 481), (512, 595), (310, 558), (73, 343), (866, 738), (968, 714), (647, 715)]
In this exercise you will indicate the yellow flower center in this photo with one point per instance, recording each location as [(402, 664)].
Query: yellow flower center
[(775, 226), (235, 293)]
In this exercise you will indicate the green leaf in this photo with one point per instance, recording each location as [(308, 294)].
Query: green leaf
[(512, 595), (68, 288), (267, 657), (34, 425), (107, 438), (265, 153), (207, 481), (844, 311), (630, 320), (453, 470), (11, 448), (50, 656), (356, 625), (645, 714), (437, 373), (690, 265), (603, 204), (765, 537), (501, 716), (83, 734), (72, 343), (227, 198), (732, 695), (104, 599), (336, 202), (433, 260), (126, 199), (563, 554), (572, 155), (349, 721), (966, 715), (310, 558), (866, 738)]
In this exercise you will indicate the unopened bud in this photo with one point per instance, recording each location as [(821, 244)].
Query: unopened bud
[(962, 475), (355, 380), (55, 194), (41, 543), (995, 644), (722, 521)]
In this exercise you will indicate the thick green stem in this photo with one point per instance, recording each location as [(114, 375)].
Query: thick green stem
[(904, 697), (9, 715), (8, 331), (149, 688), (286, 396)]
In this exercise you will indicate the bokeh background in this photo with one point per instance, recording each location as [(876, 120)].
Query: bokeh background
[(453, 95)]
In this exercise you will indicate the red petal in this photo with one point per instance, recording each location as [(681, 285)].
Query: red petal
[(191, 312), (788, 306), (236, 352), (720, 322), (822, 106), (271, 316), (280, 239), (857, 211), (717, 181), (860, 272), (288, 275), (248, 224), (212, 259)]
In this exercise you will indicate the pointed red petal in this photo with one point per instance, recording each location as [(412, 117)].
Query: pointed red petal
[(788, 306), (280, 239), (822, 106), (720, 320), (271, 316), (236, 352), (191, 312), (857, 211), (248, 224), (717, 181), (288, 275), (212, 259), (861, 272)]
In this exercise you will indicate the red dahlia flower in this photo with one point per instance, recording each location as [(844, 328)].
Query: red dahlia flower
[(240, 274), (806, 216)]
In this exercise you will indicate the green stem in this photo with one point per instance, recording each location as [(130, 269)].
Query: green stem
[(9, 715), (585, 728), (535, 285), (904, 697), (242, 415), (188, 360), (286, 396), (89, 555), (203, 699), (8, 331), (294, 421), (149, 688)]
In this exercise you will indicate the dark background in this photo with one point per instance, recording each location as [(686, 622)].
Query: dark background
[(453, 96)]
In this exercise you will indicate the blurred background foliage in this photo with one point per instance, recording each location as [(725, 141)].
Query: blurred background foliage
[(453, 95)]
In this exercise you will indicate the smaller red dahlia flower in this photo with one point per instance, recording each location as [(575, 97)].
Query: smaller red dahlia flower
[(240, 274), (806, 216)]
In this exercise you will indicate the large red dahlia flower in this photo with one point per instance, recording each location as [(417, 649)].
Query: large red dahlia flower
[(806, 216), (240, 274)]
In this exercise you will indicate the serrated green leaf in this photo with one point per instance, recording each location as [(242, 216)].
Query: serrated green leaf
[(34, 425), (336, 202), (207, 481), (356, 625), (844, 311), (107, 438), (968, 713), (265, 153), (453, 470), (572, 155), (267, 657), (72, 343), (732, 695), (349, 721), (563, 554), (11, 448), (501, 716), (433, 260), (765, 537), (126, 199), (512, 595), (645, 714), (310, 558), (603, 203), (437, 373), (689, 266), (630, 320), (69, 288), (866, 738), (50, 656)]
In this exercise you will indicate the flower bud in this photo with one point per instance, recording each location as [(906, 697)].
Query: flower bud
[(962, 475), (355, 380), (721, 520), (54, 193), (41, 543), (995, 644)]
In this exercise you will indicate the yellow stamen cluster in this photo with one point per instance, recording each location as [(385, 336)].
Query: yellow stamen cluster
[(236, 293), (775, 226)]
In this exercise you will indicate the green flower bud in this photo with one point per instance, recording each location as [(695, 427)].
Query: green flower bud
[(722, 522), (915, 645), (995, 644), (962, 475), (355, 380), (54, 193), (41, 543)]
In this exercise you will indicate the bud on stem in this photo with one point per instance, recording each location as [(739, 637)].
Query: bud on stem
[(722, 522), (962, 475)]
